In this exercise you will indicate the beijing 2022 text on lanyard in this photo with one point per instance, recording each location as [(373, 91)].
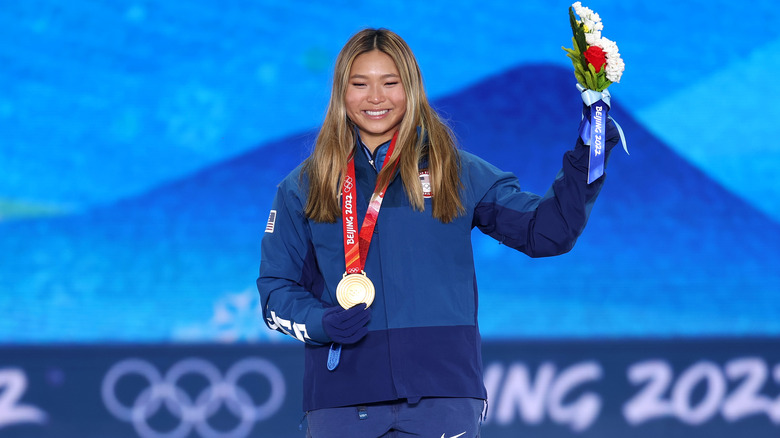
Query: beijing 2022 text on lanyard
[(355, 287)]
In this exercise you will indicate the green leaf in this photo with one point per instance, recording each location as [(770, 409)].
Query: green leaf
[(580, 79), (575, 60), (590, 77), (600, 81), (569, 51), (580, 56), (577, 31), (576, 28), (579, 70)]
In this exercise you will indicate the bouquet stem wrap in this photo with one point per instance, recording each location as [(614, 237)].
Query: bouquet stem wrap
[(593, 129)]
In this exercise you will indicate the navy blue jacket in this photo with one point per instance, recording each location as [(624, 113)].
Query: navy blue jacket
[(423, 338)]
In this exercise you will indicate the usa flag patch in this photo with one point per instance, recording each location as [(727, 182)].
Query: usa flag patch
[(269, 227), (425, 181)]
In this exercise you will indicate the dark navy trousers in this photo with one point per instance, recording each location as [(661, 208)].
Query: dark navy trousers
[(430, 417)]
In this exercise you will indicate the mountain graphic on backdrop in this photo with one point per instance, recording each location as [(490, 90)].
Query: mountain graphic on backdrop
[(667, 251)]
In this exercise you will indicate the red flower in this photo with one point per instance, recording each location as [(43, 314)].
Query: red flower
[(596, 57)]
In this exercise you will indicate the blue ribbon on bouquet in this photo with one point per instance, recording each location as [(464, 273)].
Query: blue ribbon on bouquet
[(593, 129)]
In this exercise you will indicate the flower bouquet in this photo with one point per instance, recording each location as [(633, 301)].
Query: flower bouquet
[(597, 65)]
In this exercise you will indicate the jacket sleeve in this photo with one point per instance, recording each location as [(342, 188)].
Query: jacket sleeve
[(548, 225), (289, 276)]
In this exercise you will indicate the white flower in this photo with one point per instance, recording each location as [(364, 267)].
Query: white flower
[(614, 69), (615, 64), (590, 21), (581, 10), (607, 45), (593, 22), (592, 38)]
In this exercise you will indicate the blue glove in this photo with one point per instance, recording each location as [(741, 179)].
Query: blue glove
[(346, 326)]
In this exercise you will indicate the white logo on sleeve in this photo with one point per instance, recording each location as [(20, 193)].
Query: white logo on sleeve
[(456, 436), (269, 227)]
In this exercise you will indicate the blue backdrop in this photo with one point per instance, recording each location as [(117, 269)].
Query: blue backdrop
[(141, 142)]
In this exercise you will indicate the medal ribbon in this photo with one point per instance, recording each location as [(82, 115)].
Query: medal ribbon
[(356, 245)]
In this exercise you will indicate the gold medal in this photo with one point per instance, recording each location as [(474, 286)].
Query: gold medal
[(355, 289)]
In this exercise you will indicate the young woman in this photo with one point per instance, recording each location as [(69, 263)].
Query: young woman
[(381, 214)]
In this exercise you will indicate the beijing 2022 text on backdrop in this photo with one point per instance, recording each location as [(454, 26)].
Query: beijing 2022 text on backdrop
[(141, 142)]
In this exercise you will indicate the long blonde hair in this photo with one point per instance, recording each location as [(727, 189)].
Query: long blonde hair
[(336, 139)]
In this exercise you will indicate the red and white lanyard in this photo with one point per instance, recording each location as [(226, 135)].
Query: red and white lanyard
[(356, 245)]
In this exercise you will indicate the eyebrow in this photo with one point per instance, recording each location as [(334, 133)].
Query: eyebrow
[(388, 75)]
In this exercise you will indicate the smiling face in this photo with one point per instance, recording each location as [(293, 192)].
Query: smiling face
[(375, 99)]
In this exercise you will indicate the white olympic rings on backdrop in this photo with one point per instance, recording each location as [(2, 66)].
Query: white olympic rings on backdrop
[(193, 413)]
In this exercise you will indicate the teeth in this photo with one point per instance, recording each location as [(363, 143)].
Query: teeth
[(376, 113)]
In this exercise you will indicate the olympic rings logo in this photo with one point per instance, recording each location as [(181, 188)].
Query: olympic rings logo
[(348, 184), (193, 412)]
